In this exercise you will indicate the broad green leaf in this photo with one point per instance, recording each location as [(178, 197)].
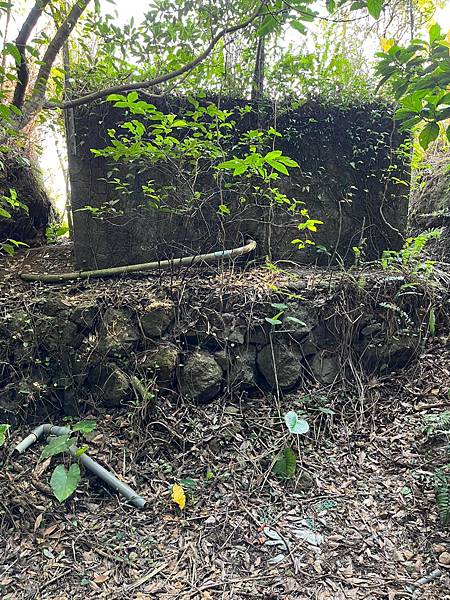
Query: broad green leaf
[(85, 426), (12, 50), (278, 166), (64, 482), (445, 99), (229, 164), (306, 14), (273, 154), (289, 162), (298, 27), (273, 321), (428, 134), (188, 483), (3, 429), (285, 464), (4, 213), (375, 7), (116, 98), (8, 248), (295, 320), (59, 444), (279, 305), (434, 32), (132, 97), (267, 26), (294, 424)]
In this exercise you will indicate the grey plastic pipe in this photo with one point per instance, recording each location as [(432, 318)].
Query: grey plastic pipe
[(85, 460), (162, 264)]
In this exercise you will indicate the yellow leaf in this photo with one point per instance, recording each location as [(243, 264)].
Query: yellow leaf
[(178, 495), (448, 36), (386, 44)]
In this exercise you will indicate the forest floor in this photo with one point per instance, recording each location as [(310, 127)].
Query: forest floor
[(359, 520)]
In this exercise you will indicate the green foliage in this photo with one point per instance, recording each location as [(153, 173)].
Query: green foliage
[(294, 424), (55, 231), (3, 429), (192, 151), (375, 7), (9, 246), (330, 65), (419, 75), (57, 445), (64, 482), (410, 257), (281, 316), (285, 464), (442, 483), (437, 425), (84, 427), (9, 205)]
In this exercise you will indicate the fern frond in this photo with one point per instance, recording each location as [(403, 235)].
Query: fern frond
[(437, 424), (443, 495)]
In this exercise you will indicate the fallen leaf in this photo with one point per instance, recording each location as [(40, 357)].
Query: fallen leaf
[(178, 496), (38, 522)]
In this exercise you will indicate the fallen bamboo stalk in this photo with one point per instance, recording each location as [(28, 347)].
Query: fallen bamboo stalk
[(160, 264)]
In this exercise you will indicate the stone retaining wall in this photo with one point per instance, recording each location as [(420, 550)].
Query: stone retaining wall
[(122, 343)]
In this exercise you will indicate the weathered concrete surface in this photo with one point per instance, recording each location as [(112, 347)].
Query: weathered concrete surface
[(344, 155)]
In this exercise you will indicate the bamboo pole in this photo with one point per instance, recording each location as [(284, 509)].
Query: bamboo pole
[(161, 264)]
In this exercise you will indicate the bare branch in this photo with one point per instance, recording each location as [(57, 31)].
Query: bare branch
[(126, 87), (21, 42)]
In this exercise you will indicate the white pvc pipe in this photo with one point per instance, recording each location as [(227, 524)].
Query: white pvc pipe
[(85, 460)]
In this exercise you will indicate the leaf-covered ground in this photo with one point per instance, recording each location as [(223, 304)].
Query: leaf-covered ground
[(359, 520)]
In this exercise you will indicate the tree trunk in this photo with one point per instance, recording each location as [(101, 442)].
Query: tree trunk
[(21, 42)]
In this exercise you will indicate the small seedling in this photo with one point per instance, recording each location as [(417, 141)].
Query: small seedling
[(286, 462)]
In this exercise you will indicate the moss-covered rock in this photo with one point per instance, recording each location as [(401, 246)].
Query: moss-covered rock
[(118, 334), (243, 374), (161, 363), (280, 365), (110, 383), (157, 317), (201, 377)]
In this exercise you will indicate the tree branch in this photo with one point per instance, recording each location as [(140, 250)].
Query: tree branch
[(126, 87), (62, 34), (21, 42)]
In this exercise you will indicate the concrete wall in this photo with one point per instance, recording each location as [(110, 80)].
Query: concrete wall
[(349, 178)]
